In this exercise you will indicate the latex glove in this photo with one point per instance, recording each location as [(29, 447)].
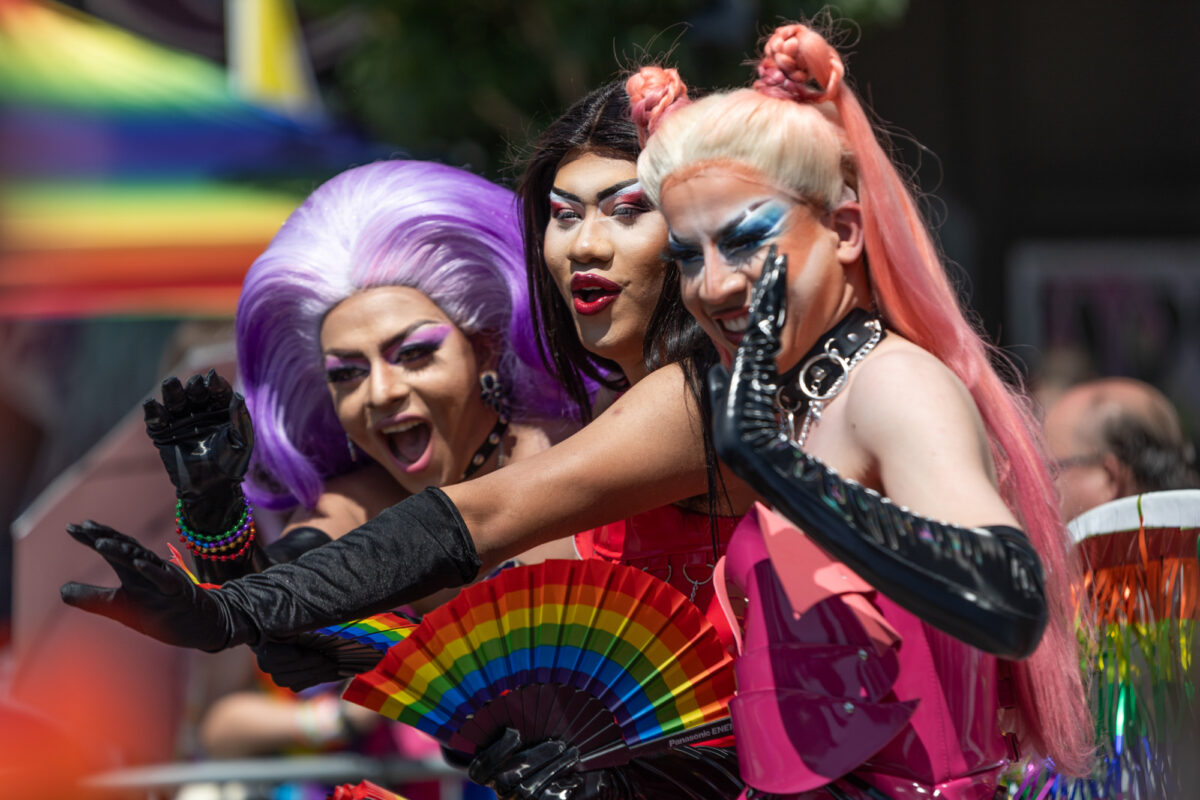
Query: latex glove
[(204, 438), (543, 771), (982, 585), (547, 771), (154, 598)]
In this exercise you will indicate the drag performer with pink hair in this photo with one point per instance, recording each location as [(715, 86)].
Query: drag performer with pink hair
[(801, 252), (937, 418)]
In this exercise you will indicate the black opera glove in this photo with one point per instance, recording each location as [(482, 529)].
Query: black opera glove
[(411, 550), (204, 437), (984, 586), (547, 771)]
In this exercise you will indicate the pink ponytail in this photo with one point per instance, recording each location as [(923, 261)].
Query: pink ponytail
[(918, 300), (653, 91)]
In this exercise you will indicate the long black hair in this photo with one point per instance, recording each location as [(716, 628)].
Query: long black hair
[(600, 123)]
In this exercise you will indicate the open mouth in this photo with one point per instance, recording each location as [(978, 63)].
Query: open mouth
[(408, 441), (591, 293)]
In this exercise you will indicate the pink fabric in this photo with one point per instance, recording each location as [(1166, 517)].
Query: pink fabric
[(837, 680)]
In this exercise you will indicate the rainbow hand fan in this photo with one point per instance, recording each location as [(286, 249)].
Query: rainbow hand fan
[(599, 655), (355, 646)]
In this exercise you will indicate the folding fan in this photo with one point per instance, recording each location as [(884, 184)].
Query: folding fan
[(599, 655), (356, 646)]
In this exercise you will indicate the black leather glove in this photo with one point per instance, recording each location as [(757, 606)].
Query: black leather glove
[(204, 437), (154, 598), (981, 585), (296, 667), (547, 771), (410, 551)]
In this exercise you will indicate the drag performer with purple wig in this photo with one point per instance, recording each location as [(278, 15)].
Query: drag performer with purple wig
[(396, 285)]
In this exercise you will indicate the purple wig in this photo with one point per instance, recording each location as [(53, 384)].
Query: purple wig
[(450, 234)]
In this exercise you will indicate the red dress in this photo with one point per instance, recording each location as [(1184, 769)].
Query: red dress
[(671, 544)]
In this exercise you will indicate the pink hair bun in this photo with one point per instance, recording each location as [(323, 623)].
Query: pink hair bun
[(793, 57), (653, 91)]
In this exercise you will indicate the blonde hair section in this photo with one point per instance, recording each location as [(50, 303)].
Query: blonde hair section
[(798, 147)]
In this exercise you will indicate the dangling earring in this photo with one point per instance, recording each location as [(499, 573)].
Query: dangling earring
[(352, 448), (493, 394)]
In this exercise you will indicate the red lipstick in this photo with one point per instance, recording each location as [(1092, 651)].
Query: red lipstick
[(592, 293)]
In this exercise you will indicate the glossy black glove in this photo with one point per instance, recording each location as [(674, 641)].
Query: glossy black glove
[(410, 551), (547, 771), (981, 585), (204, 437)]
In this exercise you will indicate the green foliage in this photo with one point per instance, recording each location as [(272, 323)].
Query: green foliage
[(471, 82)]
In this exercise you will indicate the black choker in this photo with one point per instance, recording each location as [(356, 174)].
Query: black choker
[(489, 445), (822, 372)]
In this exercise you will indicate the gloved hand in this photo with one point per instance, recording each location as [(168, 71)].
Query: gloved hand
[(409, 551), (296, 667), (204, 437), (547, 771), (544, 771), (982, 585), (154, 598)]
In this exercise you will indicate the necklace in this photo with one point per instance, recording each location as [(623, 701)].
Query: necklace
[(824, 370), (493, 440)]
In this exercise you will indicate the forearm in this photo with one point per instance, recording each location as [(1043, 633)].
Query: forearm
[(408, 552), (645, 451)]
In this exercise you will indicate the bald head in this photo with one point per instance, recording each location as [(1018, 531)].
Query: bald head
[(1113, 438)]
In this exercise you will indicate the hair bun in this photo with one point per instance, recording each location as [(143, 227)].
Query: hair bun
[(796, 57), (653, 91)]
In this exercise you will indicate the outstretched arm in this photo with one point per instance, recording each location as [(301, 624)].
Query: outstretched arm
[(644, 451), (982, 585)]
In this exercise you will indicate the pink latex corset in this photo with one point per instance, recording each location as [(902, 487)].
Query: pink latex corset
[(671, 544), (839, 685)]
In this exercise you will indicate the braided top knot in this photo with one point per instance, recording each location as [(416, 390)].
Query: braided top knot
[(794, 58), (653, 91)]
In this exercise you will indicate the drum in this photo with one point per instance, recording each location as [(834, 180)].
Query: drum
[(1138, 611)]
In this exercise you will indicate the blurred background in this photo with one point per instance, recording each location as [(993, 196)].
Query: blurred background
[(149, 149)]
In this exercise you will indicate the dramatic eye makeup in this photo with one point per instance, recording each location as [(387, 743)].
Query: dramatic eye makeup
[(564, 205), (683, 253), (625, 199), (737, 240), (418, 344), (411, 346), (339, 369), (751, 230)]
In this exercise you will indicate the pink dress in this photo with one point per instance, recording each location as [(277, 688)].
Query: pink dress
[(839, 685)]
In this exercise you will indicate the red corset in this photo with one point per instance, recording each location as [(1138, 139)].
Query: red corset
[(671, 544)]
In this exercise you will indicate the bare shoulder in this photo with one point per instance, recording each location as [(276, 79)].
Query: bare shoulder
[(903, 385), (350, 500)]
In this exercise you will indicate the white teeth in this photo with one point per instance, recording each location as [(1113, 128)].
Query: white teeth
[(401, 427), (737, 325)]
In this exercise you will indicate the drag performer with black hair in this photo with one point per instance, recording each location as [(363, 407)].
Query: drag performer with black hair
[(888, 403)]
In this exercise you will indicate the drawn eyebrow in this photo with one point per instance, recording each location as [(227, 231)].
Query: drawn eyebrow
[(565, 195), (392, 342), (604, 194)]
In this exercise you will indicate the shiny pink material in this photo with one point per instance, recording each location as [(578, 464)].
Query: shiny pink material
[(837, 684), (671, 544)]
